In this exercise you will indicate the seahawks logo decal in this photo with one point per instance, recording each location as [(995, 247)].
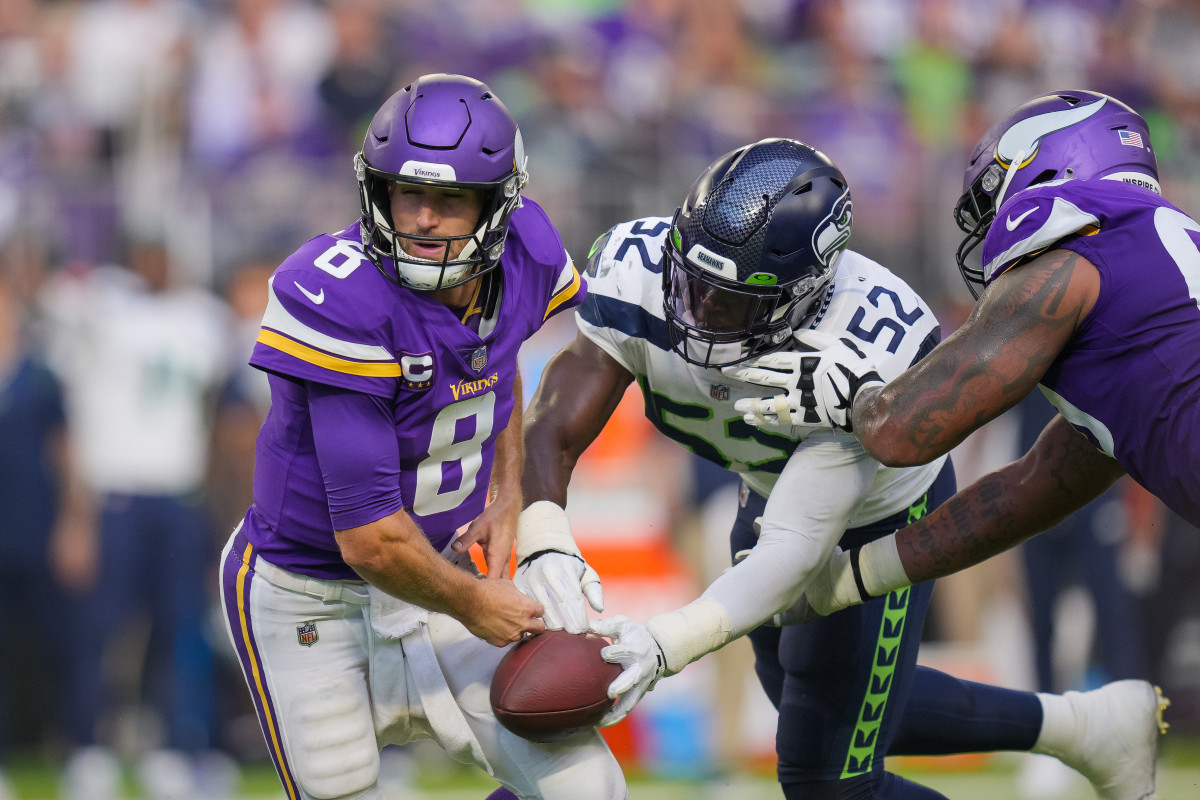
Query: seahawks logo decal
[(833, 232)]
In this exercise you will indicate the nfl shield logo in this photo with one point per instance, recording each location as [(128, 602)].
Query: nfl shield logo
[(307, 633), (719, 391), (479, 359)]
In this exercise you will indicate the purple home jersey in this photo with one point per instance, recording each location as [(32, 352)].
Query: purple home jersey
[(334, 319), (1130, 379)]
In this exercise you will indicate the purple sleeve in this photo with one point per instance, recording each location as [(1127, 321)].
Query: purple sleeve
[(355, 441)]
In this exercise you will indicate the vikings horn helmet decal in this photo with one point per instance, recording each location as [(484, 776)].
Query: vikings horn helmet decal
[(1070, 135)]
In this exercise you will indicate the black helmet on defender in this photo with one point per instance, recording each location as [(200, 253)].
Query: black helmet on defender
[(752, 250)]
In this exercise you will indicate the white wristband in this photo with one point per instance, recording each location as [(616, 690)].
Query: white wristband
[(544, 526), (880, 568), (684, 635)]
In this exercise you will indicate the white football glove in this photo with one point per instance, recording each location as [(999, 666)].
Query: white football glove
[(551, 570), (640, 657), (819, 383)]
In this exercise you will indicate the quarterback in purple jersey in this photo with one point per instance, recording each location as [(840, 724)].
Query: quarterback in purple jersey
[(391, 349), (1088, 287)]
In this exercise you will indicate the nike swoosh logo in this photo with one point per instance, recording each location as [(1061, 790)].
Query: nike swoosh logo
[(1009, 223), (319, 297)]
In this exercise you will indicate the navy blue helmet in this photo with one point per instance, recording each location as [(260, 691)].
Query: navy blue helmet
[(751, 251)]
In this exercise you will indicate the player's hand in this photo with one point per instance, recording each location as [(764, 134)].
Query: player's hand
[(641, 660), (501, 614), (815, 385), (495, 530), (551, 570), (561, 583)]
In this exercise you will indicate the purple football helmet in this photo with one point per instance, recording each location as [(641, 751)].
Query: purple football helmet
[(447, 131), (1056, 136)]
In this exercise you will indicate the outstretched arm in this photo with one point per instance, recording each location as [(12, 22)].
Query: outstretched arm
[(1021, 324), (1061, 473), (580, 387), (579, 390), (355, 438)]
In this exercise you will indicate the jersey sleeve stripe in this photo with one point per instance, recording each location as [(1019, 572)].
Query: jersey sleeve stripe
[(277, 318), (563, 295), (632, 320), (566, 277), (307, 354)]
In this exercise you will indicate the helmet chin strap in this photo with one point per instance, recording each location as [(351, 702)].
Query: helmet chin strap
[(1009, 174)]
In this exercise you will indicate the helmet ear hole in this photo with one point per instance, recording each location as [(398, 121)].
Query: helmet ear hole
[(1048, 175)]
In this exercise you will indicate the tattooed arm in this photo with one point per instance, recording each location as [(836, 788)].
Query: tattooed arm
[(1060, 474), (1022, 322)]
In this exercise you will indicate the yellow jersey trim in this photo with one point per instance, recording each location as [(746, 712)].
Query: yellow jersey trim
[(565, 295), (293, 348)]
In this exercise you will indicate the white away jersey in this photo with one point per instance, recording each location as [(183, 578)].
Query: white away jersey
[(877, 311)]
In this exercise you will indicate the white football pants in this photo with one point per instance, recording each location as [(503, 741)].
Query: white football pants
[(308, 652)]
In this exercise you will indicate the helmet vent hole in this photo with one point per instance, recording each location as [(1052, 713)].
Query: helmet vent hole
[(805, 188), (486, 96), (1043, 176), (489, 151), (1074, 101)]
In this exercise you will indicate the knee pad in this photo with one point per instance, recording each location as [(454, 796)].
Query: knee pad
[(331, 742), (590, 774)]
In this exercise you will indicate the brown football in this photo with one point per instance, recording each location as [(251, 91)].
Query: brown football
[(550, 687)]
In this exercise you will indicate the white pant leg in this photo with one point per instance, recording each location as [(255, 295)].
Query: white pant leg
[(313, 701), (582, 768)]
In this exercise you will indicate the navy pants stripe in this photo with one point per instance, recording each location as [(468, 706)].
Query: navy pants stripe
[(849, 691)]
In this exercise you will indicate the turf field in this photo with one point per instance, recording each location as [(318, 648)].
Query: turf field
[(1179, 779)]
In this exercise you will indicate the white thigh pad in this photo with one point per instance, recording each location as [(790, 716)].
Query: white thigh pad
[(333, 749), (318, 689)]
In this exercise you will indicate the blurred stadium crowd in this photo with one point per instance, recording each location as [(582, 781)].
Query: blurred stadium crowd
[(195, 143)]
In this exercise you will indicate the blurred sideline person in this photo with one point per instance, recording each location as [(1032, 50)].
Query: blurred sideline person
[(756, 254), (141, 358), (1085, 549), (391, 350), (47, 544), (1090, 290)]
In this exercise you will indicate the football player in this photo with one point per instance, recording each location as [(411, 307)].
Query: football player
[(755, 263), (391, 349), (1089, 289)]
